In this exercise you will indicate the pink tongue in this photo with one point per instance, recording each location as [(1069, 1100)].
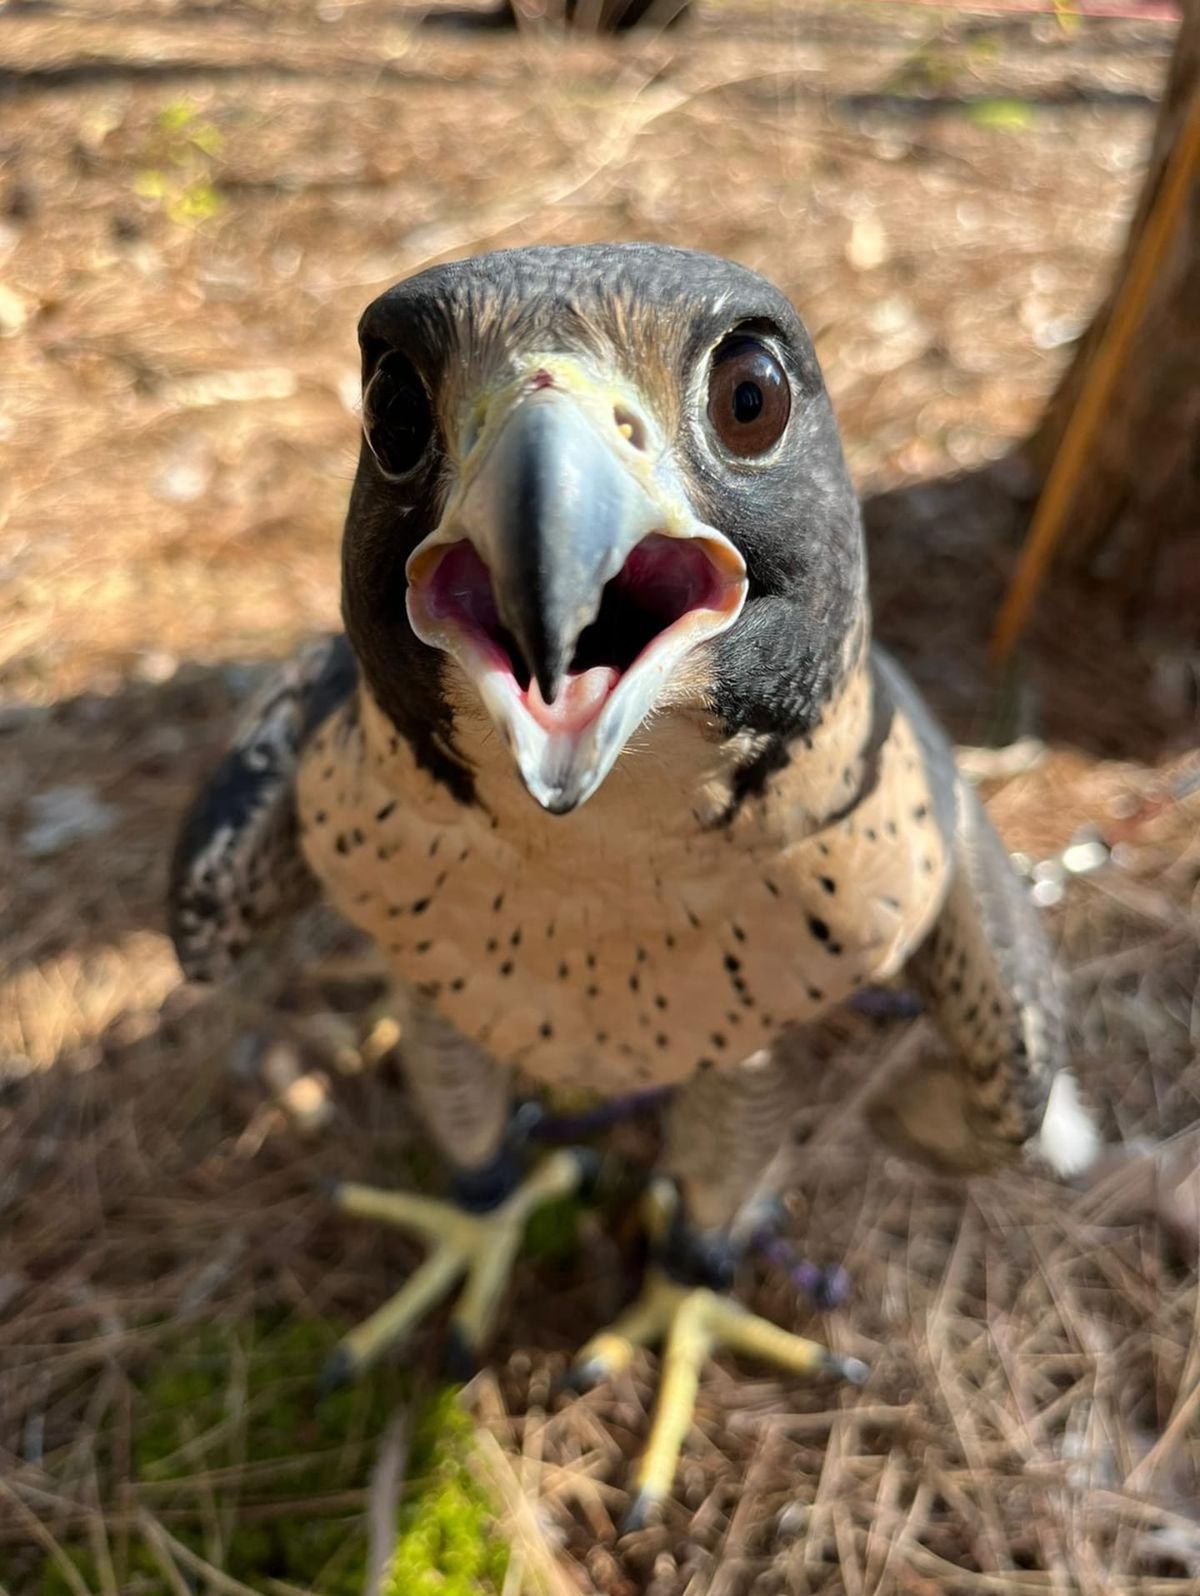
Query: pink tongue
[(579, 700)]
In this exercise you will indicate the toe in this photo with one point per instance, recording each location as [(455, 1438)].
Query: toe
[(646, 1509), (341, 1367), (582, 1376), (852, 1369), (831, 1288), (460, 1356)]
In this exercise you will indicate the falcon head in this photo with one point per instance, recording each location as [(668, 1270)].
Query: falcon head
[(595, 483)]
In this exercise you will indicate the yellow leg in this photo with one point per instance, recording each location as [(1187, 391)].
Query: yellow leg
[(746, 1332), (699, 1320), (429, 1217), (423, 1289), (480, 1247), (691, 1321), (643, 1324), (495, 1250), (689, 1342)]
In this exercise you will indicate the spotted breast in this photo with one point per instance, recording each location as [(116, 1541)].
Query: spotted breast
[(664, 925)]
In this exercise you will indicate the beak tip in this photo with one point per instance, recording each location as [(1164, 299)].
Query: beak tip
[(560, 800), (556, 795)]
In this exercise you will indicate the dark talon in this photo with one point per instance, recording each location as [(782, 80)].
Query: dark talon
[(826, 1288), (580, 1377), (329, 1187), (459, 1362), (525, 1122), (589, 1171), (852, 1369), (644, 1509), (831, 1288), (339, 1370)]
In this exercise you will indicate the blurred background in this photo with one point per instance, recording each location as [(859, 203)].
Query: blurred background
[(196, 202)]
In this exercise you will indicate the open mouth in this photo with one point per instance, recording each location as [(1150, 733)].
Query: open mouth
[(669, 593), (569, 578)]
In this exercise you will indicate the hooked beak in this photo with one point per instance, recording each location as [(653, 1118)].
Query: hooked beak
[(569, 577)]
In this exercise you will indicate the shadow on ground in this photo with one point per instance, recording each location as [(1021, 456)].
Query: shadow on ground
[(164, 1209)]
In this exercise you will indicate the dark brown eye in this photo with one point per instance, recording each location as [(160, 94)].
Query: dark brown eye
[(749, 400), (397, 416)]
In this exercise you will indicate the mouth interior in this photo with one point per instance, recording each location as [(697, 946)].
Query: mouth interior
[(662, 580)]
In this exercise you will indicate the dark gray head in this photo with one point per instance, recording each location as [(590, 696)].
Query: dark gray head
[(596, 481)]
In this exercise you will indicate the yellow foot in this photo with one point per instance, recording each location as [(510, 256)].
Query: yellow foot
[(691, 1321), (480, 1247)]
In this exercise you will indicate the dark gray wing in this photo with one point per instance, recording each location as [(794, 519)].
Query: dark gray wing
[(237, 867), (986, 974)]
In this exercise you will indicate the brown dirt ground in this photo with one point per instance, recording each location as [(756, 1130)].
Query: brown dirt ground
[(196, 200)]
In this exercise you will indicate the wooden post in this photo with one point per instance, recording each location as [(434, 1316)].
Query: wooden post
[(1119, 445)]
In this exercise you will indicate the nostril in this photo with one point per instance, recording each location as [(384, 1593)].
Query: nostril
[(631, 427)]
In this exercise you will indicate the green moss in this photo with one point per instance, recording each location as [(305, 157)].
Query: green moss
[(143, 1576), (227, 1428), (447, 1541)]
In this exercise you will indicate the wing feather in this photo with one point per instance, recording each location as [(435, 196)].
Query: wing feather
[(237, 868)]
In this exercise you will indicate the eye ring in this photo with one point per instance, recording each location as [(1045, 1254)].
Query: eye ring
[(397, 416), (749, 397)]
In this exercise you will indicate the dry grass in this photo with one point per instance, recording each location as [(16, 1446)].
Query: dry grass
[(176, 397)]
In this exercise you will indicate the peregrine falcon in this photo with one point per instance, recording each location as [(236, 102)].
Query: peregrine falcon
[(609, 766)]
